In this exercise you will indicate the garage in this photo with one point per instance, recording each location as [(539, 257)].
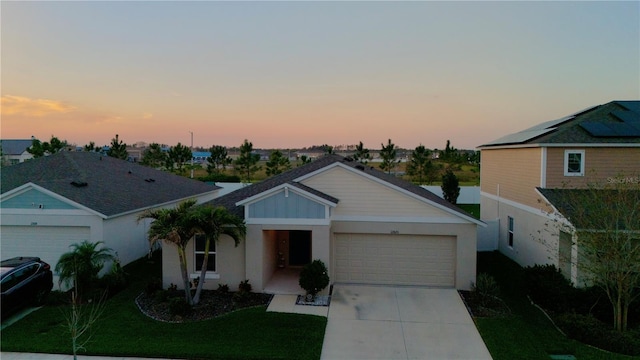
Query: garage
[(393, 259), (45, 242)]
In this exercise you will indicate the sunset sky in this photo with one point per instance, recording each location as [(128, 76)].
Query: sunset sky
[(296, 74)]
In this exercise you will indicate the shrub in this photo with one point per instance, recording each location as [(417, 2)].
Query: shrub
[(589, 330), (178, 306), (314, 277), (223, 288), (154, 285), (115, 280), (485, 290), (244, 286), (547, 287)]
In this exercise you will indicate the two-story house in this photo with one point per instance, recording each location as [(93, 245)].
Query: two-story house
[(596, 145)]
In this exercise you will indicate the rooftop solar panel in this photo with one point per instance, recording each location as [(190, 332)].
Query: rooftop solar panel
[(520, 137)]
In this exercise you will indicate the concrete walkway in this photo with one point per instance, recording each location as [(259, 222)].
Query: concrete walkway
[(287, 304), (369, 322)]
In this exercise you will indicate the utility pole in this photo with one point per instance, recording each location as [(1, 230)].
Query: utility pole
[(191, 154)]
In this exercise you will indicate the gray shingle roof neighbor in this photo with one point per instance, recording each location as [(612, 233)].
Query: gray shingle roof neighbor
[(571, 204), (229, 201), (14, 147), (107, 185), (596, 125)]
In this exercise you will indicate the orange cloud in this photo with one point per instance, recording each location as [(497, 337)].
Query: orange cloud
[(20, 105)]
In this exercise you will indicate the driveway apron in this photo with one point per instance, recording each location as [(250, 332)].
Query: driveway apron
[(372, 322)]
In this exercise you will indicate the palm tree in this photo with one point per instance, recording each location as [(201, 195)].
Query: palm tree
[(214, 222), (175, 227), (81, 266)]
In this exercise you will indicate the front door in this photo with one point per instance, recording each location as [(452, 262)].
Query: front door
[(299, 247)]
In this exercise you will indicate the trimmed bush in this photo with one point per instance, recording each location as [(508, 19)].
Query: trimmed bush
[(589, 330), (547, 287), (223, 288), (314, 277), (245, 287), (485, 290)]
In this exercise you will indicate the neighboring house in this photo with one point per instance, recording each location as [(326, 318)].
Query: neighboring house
[(366, 226), (522, 174), (51, 202), (15, 151)]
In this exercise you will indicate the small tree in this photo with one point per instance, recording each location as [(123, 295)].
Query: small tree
[(219, 159), (81, 266), (389, 153), (80, 318), (118, 149), (420, 165), (247, 162), (277, 163), (362, 154), (313, 278), (39, 149), (304, 159), (177, 157), (153, 156), (450, 186)]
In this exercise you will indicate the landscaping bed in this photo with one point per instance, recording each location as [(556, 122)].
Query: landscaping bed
[(162, 306)]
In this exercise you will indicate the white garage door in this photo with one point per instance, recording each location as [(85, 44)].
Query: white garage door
[(395, 259), (45, 242)]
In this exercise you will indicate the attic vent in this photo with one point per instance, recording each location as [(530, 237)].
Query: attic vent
[(79, 183), (150, 180), (360, 167)]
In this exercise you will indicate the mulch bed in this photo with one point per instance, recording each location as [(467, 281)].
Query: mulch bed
[(484, 307), (212, 304)]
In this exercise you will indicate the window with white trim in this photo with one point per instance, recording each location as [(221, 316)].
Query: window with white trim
[(574, 163), (510, 232), (199, 254)]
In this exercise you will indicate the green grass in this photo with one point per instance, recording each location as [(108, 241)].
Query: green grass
[(124, 331), (527, 333), (473, 209)]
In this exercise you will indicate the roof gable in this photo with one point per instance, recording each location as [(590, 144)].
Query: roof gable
[(15, 147), (232, 201)]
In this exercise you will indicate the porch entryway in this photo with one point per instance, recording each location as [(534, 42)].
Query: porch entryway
[(285, 281)]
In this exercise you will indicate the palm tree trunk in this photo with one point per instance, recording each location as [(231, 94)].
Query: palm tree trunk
[(185, 276), (203, 271)]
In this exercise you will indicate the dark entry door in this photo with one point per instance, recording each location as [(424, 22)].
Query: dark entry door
[(299, 247)]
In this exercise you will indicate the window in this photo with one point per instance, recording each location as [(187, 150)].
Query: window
[(510, 239), (574, 163), (199, 254)]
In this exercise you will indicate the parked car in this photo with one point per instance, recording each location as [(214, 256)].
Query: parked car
[(23, 281)]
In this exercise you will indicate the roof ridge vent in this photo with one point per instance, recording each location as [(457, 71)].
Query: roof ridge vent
[(79, 183)]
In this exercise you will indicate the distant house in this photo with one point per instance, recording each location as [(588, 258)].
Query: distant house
[(15, 151), (51, 202), (366, 226), (522, 175)]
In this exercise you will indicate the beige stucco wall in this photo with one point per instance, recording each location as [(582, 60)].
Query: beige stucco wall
[(600, 165), (230, 264), (465, 241), (511, 173)]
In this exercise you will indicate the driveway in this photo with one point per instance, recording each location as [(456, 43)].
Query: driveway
[(371, 322)]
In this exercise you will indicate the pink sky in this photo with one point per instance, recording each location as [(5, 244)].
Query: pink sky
[(287, 75)]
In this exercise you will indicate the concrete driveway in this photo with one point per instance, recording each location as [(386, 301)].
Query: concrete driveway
[(371, 322)]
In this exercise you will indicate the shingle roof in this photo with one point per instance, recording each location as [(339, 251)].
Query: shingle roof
[(580, 206), (14, 147), (107, 185), (229, 201), (585, 127)]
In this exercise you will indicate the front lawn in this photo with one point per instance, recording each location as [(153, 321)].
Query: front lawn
[(124, 331), (527, 333)]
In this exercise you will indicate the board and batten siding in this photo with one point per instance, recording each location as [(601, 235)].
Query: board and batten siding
[(287, 204), (515, 172), (361, 196), (601, 164), (34, 199)]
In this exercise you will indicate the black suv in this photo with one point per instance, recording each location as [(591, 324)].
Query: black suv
[(23, 281)]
